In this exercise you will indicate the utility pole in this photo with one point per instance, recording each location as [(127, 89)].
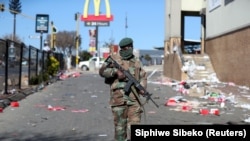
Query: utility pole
[(96, 41), (126, 25), (77, 18), (51, 35)]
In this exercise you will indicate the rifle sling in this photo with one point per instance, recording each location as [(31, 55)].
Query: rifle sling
[(139, 101)]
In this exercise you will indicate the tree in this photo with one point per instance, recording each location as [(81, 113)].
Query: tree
[(65, 39), (9, 36), (15, 8), (148, 58), (84, 55), (109, 44)]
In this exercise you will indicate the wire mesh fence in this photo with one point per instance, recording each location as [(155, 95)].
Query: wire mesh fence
[(21, 64)]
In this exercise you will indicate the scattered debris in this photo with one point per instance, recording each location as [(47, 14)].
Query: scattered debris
[(102, 135), (56, 108), (76, 74), (94, 96), (151, 112), (14, 104), (80, 111)]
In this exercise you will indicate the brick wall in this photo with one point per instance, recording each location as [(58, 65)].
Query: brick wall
[(230, 56)]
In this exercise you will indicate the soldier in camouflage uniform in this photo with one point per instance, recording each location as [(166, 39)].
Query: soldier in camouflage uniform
[(126, 107)]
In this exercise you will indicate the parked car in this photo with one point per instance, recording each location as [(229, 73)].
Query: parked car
[(97, 62), (2, 63), (25, 63)]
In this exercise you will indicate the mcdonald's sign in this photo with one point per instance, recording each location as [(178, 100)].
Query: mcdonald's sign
[(96, 17)]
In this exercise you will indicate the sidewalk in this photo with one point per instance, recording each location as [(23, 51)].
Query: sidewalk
[(17, 95)]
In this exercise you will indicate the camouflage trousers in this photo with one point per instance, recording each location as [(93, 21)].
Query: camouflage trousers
[(124, 117)]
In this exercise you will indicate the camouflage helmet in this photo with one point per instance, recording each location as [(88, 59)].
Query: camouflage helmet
[(125, 42)]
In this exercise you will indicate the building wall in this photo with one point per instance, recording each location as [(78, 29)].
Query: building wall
[(222, 18), (173, 28), (156, 57), (230, 56), (172, 67), (191, 5), (227, 39), (173, 19), (173, 15)]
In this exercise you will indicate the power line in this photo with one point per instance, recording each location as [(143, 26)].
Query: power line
[(24, 15)]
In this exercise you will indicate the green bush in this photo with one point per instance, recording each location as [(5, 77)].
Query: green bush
[(34, 80), (52, 69), (52, 66)]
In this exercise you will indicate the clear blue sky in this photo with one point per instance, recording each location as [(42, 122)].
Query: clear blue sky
[(145, 20)]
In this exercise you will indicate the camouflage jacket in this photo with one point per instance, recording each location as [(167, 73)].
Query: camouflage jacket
[(117, 94)]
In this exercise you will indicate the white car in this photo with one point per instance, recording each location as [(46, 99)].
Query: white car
[(97, 62), (25, 63)]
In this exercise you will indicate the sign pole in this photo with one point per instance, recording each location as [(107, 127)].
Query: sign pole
[(42, 62), (96, 40), (97, 19), (42, 25), (41, 41)]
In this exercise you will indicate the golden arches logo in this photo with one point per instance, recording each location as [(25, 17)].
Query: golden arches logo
[(96, 16)]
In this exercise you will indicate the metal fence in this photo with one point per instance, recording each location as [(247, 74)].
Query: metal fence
[(19, 63), (2, 63)]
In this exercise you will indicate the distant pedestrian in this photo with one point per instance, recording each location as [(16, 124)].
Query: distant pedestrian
[(68, 60), (46, 46), (126, 107)]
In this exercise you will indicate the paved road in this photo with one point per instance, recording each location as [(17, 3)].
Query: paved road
[(81, 112)]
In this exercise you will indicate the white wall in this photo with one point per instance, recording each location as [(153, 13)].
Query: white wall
[(173, 15), (191, 5), (226, 18)]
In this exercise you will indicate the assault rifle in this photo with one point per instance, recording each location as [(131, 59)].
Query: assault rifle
[(132, 80)]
